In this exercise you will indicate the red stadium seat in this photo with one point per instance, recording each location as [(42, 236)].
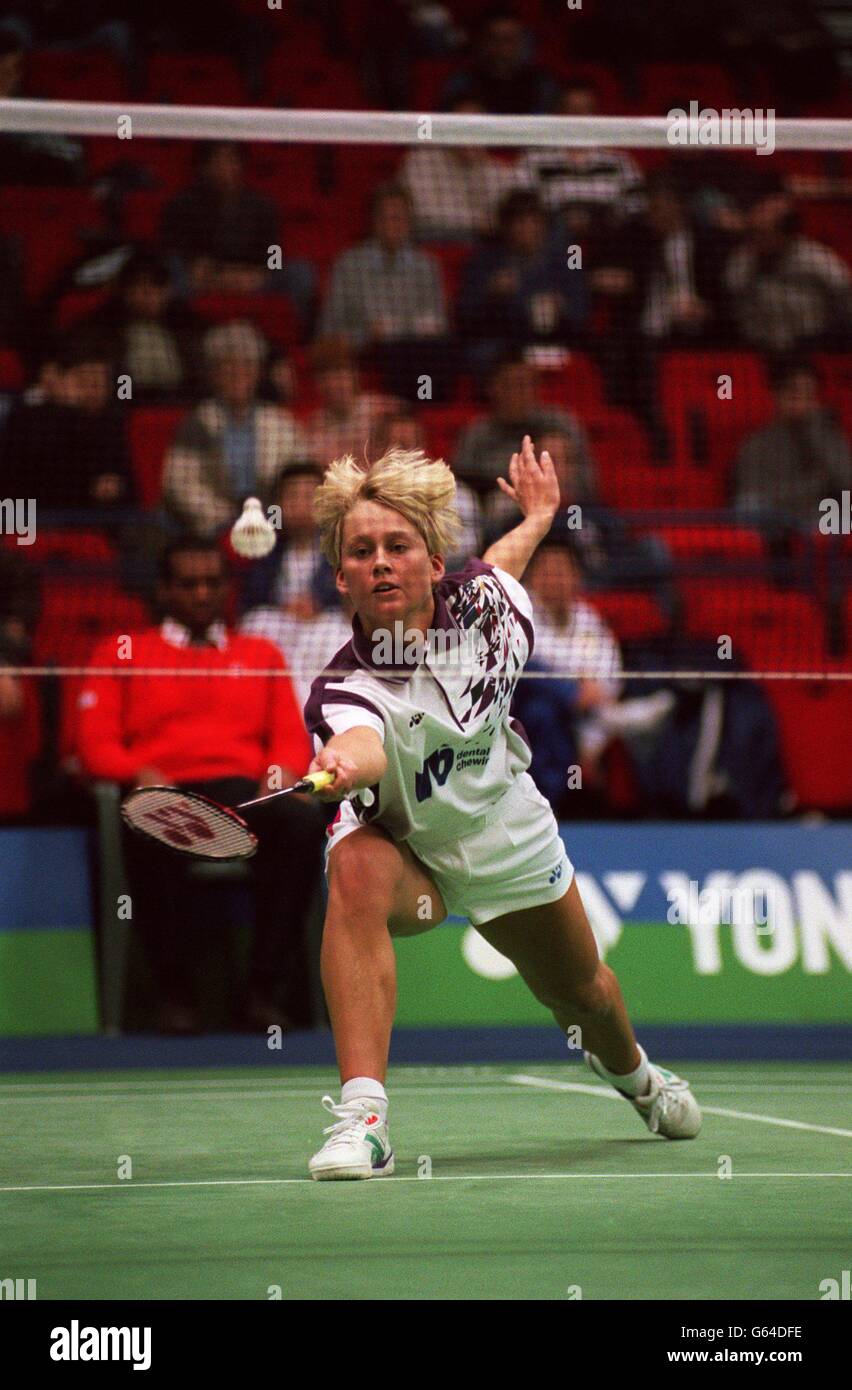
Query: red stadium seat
[(452, 256), (575, 383), (85, 76), (835, 369), (194, 79), (77, 613), (442, 427), (285, 173), (665, 85), (317, 237), (429, 79), (75, 616), (272, 314), (816, 736), (632, 616), (75, 546), (693, 411), (151, 430), (773, 630), (142, 211), (49, 223), (20, 743), (727, 542), (827, 222), (302, 48), (76, 305), (324, 84), (11, 370)]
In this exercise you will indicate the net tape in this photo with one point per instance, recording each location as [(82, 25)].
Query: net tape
[(385, 127)]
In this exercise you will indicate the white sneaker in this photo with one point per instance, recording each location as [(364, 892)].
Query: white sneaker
[(669, 1108), (359, 1144)]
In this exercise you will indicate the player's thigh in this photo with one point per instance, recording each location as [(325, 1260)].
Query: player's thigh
[(367, 864), (552, 946)]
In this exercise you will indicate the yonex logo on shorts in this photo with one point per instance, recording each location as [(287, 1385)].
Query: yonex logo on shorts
[(556, 874)]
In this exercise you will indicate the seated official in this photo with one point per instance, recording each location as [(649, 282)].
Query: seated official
[(229, 737)]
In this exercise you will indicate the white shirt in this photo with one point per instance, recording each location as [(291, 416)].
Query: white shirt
[(454, 198), (583, 646), (306, 643), (452, 746), (604, 177)]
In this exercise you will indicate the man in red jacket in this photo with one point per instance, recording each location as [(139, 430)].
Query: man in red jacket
[(231, 736)]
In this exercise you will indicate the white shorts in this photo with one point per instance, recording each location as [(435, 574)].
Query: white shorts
[(517, 860)]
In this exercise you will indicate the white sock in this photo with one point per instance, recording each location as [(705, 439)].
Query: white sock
[(366, 1088), (634, 1083)]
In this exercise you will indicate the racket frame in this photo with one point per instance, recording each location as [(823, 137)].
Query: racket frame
[(228, 811)]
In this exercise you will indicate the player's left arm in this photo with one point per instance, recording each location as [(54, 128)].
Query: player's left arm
[(535, 489)]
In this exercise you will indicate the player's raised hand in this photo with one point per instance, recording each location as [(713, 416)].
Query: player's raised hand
[(533, 484)]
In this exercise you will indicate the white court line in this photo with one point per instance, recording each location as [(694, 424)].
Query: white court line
[(240, 1086), (540, 1083), (314, 1092), (84, 1098), (454, 1177)]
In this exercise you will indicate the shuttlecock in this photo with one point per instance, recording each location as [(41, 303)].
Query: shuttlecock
[(252, 534)]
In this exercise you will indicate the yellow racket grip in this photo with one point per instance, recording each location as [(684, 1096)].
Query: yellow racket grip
[(318, 780)]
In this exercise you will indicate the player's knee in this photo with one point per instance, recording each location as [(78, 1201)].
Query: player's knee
[(591, 999), (364, 867)]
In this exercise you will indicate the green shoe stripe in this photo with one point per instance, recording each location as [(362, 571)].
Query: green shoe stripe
[(377, 1145)]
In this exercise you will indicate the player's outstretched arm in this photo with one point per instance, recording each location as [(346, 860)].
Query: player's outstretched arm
[(357, 760), (535, 489)]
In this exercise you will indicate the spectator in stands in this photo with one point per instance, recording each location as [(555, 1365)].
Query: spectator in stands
[(152, 337), (308, 643), (387, 297), (521, 289), (232, 740), (800, 458), (402, 429), (65, 27), (659, 276), (787, 291), (485, 444), (231, 446), (583, 184), (295, 575), (67, 445), (20, 720), (675, 265), (500, 511), (702, 749), (455, 189), (565, 716), (502, 74), (346, 417), (222, 232), (20, 604), (28, 157), (394, 36)]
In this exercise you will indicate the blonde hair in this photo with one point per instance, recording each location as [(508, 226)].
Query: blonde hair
[(419, 488)]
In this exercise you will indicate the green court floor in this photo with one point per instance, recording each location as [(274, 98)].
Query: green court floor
[(544, 1185)]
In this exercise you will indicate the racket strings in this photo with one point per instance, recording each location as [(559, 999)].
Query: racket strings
[(188, 823)]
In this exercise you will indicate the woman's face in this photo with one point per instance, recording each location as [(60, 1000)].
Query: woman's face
[(386, 569)]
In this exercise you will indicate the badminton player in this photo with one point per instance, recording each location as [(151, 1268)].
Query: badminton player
[(438, 813)]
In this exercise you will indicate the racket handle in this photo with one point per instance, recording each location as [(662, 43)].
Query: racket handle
[(315, 781)]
